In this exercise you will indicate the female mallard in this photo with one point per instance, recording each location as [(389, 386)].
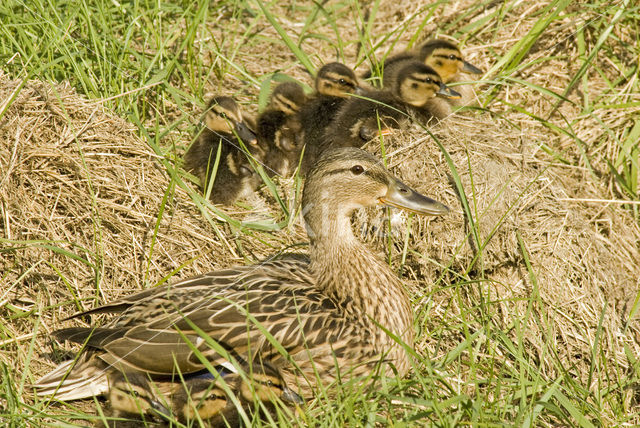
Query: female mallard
[(278, 129), (335, 82), (329, 314), (234, 176), (207, 399)]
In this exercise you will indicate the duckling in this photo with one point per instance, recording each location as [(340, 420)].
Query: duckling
[(207, 400), (334, 83), (441, 55), (417, 85), (130, 396), (338, 314), (407, 95), (234, 177), (362, 119), (278, 129)]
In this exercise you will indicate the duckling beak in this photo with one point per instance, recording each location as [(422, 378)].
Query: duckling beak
[(159, 408), (245, 134), (400, 195), (385, 132), (360, 91), (289, 396), (447, 92), (467, 67)]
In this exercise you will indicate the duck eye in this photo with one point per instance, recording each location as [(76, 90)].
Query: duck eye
[(342, 82), (429, 80), (357, 169), (452, 56)]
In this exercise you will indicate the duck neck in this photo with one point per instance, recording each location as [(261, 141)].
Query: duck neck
[(360, 282)]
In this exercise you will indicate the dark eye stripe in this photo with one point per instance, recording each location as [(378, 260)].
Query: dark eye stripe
[(447, 57), (269, 382)]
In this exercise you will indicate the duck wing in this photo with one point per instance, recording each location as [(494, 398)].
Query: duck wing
[(164, 331)]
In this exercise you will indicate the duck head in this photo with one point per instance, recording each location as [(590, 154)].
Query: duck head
[(131, 394), (224, 116), (287, 97), (337, 80), (346, 179), (417, 83), (265, 383), (446, 59)]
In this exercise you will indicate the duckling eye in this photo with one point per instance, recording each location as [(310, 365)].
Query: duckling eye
[(452, 56), (428, 80), (357, 169), (342, 82)]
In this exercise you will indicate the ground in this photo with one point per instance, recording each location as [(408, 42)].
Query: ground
[(525, 295)]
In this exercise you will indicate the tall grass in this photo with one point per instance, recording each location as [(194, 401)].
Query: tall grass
[(152, 62)]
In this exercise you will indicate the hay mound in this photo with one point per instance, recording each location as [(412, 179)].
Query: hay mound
[(584, 256), (80, 199)]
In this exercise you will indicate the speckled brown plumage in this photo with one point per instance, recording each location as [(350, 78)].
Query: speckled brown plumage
[(325, 310)]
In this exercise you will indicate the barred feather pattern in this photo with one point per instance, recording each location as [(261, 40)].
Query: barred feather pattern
[(331, 312)]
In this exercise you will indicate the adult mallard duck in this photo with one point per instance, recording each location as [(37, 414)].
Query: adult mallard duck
[(207, 400), (335, 82), (234, 176), (328, 313), (278, 129)]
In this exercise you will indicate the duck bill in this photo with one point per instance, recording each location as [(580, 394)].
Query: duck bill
[(399, 195), (289, 396), (467, 67), (447, 92), (360, 91), (384, 132), (245, 134), (160, 409)]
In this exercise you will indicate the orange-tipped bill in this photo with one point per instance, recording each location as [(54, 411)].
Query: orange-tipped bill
[(401, 196), (447, 92), (245, 134), (385, 131)]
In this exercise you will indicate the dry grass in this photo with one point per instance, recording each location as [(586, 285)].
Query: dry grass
[(545, 257)]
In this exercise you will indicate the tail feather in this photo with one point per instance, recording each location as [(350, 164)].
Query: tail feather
[(74, 380)]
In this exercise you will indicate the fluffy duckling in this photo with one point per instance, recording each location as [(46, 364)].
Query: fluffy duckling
[(207, 400), (337, 314), (334, 84), (278, 129), (234, 177), (407, 95), (441, 55), (417, 85), (131, 396)]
